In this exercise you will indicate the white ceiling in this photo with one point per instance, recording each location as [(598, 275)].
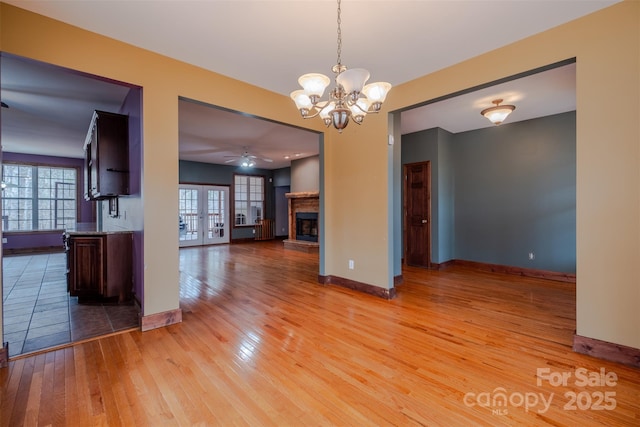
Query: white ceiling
[(50, 108), (212, 135), (269, 44), (537, 95)]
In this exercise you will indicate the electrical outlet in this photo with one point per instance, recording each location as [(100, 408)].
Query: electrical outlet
[(532, 256), (351, 264), (4, 240)]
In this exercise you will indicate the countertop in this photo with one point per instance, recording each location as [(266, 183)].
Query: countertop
[(85, 228)]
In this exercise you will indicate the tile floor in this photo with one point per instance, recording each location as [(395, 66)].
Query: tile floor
[(39, 313)]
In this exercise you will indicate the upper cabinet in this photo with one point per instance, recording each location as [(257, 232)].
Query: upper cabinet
[(106, 151)]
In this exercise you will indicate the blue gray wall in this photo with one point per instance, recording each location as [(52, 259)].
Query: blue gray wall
[(446, 202), (282, 184), (419, 147), (502, 192), (205, 173), (282, 211), (282, 177), (435, 145)]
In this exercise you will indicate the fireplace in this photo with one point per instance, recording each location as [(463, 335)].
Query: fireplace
[(307, 226), (304, 228)]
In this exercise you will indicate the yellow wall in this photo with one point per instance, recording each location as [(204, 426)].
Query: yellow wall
[(163, 80), (606, 46), (358, 174), (356, 190)]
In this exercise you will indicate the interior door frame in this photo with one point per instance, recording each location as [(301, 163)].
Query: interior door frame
[(405, 213)]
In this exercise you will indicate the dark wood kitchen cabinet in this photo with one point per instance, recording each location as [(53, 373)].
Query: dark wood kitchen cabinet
[(99, 266), (106, 152)]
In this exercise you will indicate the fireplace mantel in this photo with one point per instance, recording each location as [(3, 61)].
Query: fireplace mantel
[(308, 201), (303, 195)]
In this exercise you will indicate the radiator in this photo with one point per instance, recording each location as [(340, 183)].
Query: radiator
[(264, 229)]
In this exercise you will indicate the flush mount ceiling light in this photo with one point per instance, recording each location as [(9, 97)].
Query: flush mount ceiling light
[(349, 99), (498, 113)]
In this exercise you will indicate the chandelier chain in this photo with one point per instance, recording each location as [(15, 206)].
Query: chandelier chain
[(339, 36), (350, 99)]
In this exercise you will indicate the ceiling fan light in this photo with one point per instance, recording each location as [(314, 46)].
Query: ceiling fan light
[(353, 80), (314, 84), (499, 113)]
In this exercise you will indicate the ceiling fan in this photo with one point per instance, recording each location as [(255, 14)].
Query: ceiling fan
[(4, 185), (247, 160)]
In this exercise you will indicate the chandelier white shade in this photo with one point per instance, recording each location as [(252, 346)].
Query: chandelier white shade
[(499, 113), (314, 84), (351, 98), (352, 81)]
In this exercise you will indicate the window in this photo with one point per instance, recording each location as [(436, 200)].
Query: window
[(38, 197), (249, 199)]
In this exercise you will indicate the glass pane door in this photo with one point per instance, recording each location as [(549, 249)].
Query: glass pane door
[(203, 215), (217, 218), (189, 215)]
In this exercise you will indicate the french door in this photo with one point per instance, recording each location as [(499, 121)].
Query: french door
[(203, 214)]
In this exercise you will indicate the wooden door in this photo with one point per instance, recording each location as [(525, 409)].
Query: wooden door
[(417, 219)]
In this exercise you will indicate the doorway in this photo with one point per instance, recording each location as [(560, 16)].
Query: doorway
[(203, 214), (417, 218)]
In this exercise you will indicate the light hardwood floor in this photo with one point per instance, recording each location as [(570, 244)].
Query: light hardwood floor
[(262, 343)]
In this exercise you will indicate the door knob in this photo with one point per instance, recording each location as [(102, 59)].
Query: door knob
[(424, 221)]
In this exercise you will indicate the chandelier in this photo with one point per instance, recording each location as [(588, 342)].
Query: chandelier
[(499, 113), (350, 98)]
